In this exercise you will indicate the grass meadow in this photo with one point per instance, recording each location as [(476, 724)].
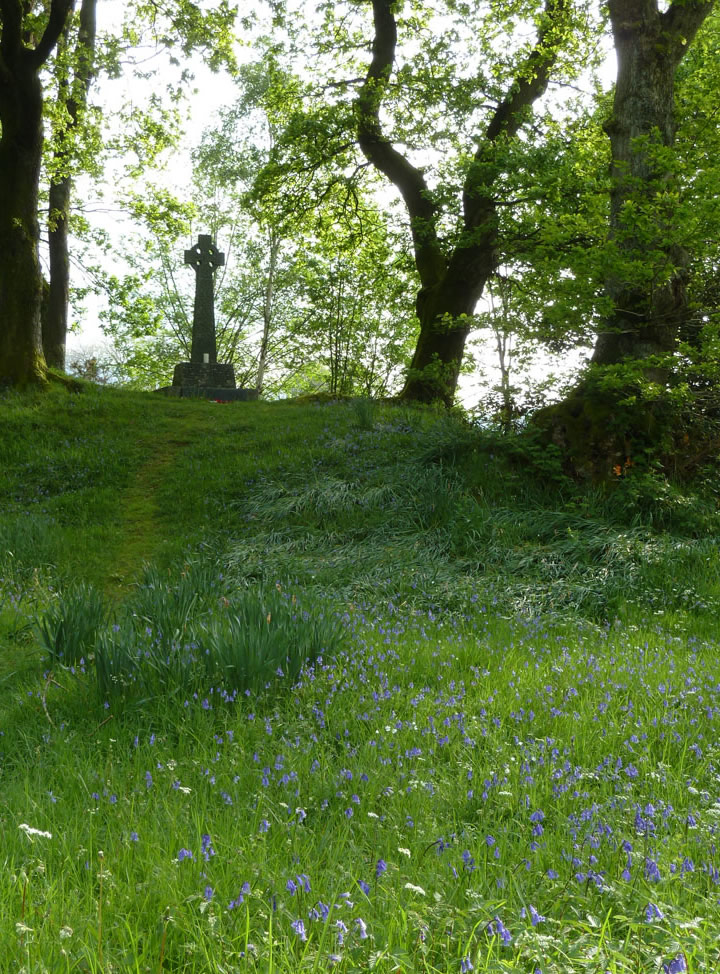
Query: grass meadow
[(352, 687)]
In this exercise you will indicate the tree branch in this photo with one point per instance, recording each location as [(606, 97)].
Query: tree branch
[(530, 83), (60, 10), (682, 20), (378, 149)]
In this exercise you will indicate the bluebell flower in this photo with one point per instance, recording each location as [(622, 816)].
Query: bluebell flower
[(675, 966), (535, 917), (209, 893), (653, 912), (362, 928), (380, 868), (466, 965), (501, 930), (652, 872), (184, 854), (240, 898), (364, 886), (206, 847), (299, 928)]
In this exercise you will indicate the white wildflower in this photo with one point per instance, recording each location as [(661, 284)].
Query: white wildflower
[(415, 889), (31, 832)]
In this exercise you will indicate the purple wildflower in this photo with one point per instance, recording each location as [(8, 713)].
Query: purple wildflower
[(653, 912), (207, 849), (299, 928), (499, 928), (652, 873), (535, 917), (675, 966)]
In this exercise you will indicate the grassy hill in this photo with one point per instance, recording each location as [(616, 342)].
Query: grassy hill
[(347, 686)]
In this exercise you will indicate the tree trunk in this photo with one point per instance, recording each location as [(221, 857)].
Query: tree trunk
[(452, 278), (267, 314), (597, 429), (21, 355), (445, 314), (55, 319), (646, 313), (21, 144)]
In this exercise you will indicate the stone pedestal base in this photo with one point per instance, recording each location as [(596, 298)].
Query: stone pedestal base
[(203, 380), (214, 375)]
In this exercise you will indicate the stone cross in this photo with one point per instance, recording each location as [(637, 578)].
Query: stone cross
[(204, 257)]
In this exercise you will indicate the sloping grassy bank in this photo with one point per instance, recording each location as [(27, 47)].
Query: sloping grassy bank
[(383, 698)]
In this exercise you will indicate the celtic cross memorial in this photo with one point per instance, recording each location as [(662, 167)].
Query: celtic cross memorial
[(203, 377), (204, 258)]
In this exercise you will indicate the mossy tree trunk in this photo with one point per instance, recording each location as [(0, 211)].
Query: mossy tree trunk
[(602, 426), (21, 144), (647, 312)]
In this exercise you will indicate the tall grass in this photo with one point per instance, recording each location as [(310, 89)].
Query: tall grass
[(389, 694)]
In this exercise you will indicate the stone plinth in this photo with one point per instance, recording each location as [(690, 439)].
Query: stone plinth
[(208, 375), (207, 380)]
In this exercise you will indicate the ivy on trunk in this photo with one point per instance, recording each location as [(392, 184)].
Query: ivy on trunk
[(649, 309)]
